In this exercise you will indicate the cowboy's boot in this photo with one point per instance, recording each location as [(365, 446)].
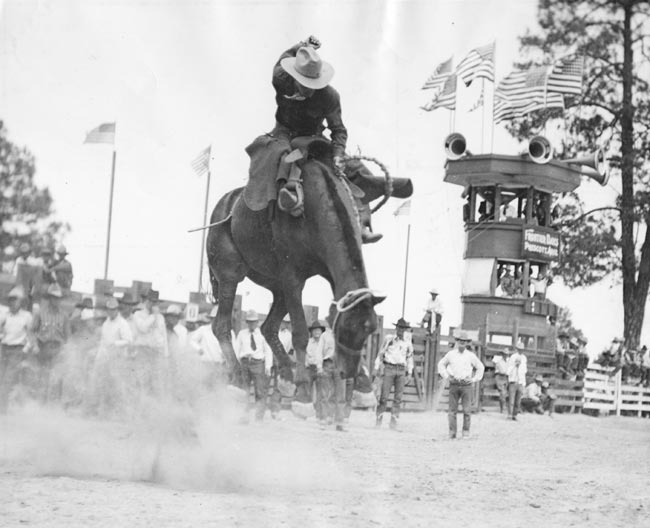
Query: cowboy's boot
[(367, 236)]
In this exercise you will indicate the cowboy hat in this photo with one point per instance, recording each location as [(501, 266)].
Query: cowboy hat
[(251, 315), (539, 378), (86, 302), (16, 293), (112, 304), (402, 323), (25, 248), (519, 346), (463, 336), (317, 324), (61, 250), (173, 309), (434, 291), (151, 295), (545, 384), (128, 298), (308, 69)]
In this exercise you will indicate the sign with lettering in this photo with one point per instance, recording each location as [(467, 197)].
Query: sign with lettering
[(540, 245)]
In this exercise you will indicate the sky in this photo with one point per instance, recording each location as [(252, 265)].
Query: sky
[(179, 76)]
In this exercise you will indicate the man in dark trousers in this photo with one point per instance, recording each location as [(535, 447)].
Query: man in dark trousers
[(395, 361), (462, 368), (305, 100), (52, 331)]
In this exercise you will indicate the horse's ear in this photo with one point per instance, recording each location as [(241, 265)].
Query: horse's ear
[(377, 297)]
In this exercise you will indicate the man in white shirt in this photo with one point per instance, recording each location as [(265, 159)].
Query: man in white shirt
[(462, 368), (150, 344), (433, 311), (16, 339), (255, 359), (531, 400), (395, 360), (501, 376), (209, 350), (109, 383), (517, 370)]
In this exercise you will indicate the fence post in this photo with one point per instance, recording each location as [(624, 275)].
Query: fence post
[(617, 393)]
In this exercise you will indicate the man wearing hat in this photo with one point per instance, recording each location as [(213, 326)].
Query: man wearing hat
[(62, 269), (52, 331), (150, 346), (317, 348), (395, 360), (127, 305), (206, 345), (462, 368), (433, 311), (531, 401), (15, 341), (500, 360), (109, 382), (255, 359), (517, 370), (176, 332), (304, 100)]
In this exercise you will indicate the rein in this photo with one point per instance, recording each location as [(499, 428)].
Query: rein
[(388, 183), (344, 304)]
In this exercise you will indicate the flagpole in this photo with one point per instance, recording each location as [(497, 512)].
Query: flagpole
[(494, 93), (482, 113), (406, 266), (110, 217), (205, 221)]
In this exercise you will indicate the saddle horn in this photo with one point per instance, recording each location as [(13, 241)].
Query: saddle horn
[(596, 161), (540, 150), (456, 146)]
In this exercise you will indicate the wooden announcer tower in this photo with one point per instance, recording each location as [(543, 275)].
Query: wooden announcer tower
[(510, 243)]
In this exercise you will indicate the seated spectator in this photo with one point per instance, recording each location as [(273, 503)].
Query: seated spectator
[(537, 397), (508, 283), (548, 399), (610, 357)]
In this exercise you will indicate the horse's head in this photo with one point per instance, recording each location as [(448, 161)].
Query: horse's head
[(353, 319)]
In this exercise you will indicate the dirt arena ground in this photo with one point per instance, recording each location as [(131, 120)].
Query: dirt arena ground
[(567, 471)]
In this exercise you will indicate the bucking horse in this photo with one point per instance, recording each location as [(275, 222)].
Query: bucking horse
[(279, 252)]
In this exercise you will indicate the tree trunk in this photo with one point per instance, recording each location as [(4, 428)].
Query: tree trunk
[(631, 313)]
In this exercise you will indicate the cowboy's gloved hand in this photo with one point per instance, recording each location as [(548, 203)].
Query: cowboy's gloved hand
[(313, 42)]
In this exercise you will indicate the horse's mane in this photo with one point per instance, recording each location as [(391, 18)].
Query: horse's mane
[(345, 214)]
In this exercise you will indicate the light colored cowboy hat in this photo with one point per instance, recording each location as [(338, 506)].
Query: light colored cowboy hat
[(112, 304), (434, 291), (251, 315), (308, 69), (463, 335), (61, 250), (174, 309), (16, 293), (539, 378)]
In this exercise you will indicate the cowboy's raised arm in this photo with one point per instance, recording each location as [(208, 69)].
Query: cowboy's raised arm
[(282, 81)]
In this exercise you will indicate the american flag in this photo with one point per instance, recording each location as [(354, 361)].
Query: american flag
[(478, 64), (104, 133), (522, 92), (566, 76), (404, 209), (439, 75), (446, 98), (479, 102), (201, 163)]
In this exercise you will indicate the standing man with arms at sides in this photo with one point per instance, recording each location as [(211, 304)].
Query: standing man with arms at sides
[(52, 331), (517, 369), (501, 376), (462, 368), (395, 358), (15, 335), (255, 358), (150, 345)]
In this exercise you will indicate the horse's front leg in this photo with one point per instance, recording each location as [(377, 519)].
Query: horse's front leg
[(299, 335)]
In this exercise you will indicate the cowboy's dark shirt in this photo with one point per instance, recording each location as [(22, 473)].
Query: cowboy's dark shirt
[(305, 118)]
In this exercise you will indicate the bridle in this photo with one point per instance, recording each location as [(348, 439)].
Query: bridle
[(344, 304)]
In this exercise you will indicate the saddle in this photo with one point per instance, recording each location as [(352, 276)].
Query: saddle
[(269, 156)]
